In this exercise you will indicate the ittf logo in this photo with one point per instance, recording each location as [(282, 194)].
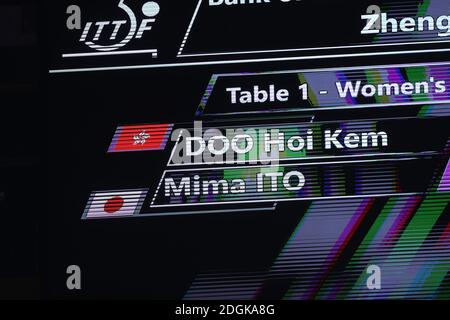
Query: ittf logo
[(110, 36)]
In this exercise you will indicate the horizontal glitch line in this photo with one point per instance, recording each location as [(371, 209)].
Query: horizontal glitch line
[(219, 62)]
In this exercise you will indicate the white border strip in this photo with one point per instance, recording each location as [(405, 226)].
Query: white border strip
[(290, 199), (225, 62), (152, 205), (109, 53), (293, 164), (194, 16), (183, 213), (424, 153), (312, 49), (183, 43), (314, 109), (343, 68)]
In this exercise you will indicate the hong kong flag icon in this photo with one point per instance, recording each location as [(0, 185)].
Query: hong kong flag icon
[(110, 204), (141, 138)]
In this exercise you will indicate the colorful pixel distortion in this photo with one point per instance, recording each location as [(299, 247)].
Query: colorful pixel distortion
[(328, 253)]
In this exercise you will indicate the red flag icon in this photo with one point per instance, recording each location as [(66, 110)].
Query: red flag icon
[(109, 204), (141, 138)]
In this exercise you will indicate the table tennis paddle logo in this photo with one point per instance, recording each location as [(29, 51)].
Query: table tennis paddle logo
[(113, 35)]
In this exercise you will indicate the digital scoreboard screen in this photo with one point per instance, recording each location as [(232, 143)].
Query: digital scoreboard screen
[(249, 149)]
